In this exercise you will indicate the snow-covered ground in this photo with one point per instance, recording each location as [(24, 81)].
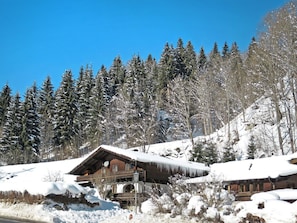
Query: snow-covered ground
[(52, 177)]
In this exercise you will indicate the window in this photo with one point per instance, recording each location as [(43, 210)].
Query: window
[(128, 166), (114, 168)]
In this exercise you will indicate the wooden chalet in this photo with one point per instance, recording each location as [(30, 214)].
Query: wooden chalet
[(247, 177), (126, 175)]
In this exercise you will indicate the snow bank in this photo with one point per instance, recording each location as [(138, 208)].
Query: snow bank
[(41, 178)]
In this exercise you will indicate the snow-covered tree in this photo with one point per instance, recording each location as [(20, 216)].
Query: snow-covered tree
[(11, 142), (83, 90), (64, 117), (30, 126), (96, 113), (46, 113), (5, 97)]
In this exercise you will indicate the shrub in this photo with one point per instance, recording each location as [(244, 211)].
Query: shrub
[(206, 202)]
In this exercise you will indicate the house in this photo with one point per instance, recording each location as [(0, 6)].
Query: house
[(127, 176), (246, 177)]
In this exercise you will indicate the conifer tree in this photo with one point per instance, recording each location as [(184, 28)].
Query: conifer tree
[(84, 87), (46, 112), (96, 121), (251, 148), (225, 51), (228, 154), (166, 73), (5, 97), (211, 153), (179, 55), (117, 76), (64, 117), (202, 60), (30, 134), (190, 60), (11, 142)]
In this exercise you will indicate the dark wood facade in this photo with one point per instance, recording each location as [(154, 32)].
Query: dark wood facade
[(244, 189)]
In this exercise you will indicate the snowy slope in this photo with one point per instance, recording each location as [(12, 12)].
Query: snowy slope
[(259, 122)]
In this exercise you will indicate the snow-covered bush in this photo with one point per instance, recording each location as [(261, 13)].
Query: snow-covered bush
[(54, 176), (207, 201)]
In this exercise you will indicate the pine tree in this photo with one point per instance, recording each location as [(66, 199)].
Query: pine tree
[(179, 55), (197, 153), (251, 148), (204, 152), (5, 98), (190, 60), (135, 88), (228, 154), (30, 132), (166, 73), (210, 153), (64, 117), (11, 142), (106, 84), (225, 51), (117, 75), (96, 121), (84, 87), (46, 110), (202, 60)]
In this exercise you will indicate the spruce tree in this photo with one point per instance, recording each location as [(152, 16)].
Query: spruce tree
[(190, 60), (64, 117), (202, 59), (96, 114), (228, 154), (179, 55), (46, 110), (30, 134), (210, 153), (117, 76), (166, 73), (251, 148), (11, 142), (84, 87), (5, 97), (197, 153), (225, 51)]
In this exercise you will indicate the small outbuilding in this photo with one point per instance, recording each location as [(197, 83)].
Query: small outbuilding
[(247, 177)]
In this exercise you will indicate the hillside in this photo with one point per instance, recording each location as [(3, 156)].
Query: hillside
[(259, 122)]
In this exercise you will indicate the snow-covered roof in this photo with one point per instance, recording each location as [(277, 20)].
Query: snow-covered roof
[(170, 164), (271, 167)]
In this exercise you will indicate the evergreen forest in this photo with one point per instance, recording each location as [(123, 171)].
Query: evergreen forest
[(185, 93)]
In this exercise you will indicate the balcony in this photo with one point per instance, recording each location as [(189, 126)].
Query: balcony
[(126, 175)]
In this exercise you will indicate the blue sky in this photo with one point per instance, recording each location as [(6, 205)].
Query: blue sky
[(46, 37)]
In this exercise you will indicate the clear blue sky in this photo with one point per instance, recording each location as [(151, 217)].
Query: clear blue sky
[(46, 37)]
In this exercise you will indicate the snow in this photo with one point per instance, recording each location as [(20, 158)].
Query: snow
[(280, 194), (251, 169), (52, 177)]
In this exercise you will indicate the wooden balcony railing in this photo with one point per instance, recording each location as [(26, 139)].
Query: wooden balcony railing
[(112, 176)]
